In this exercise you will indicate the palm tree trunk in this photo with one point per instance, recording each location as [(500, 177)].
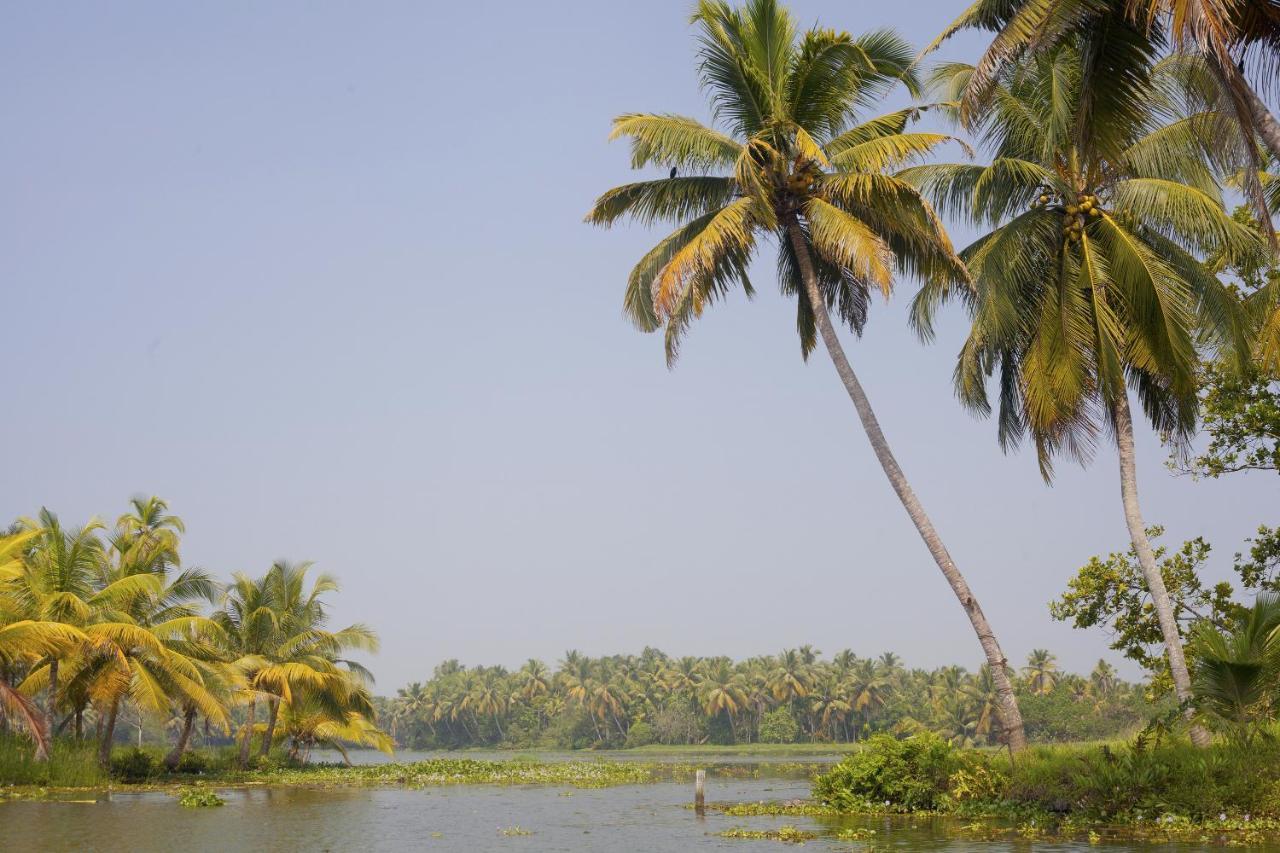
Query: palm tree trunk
[(108, 733), (1010, 715), (248, 732), (52, 713), (1147, 559), (269, 735), (184, 735), (1263, 120)]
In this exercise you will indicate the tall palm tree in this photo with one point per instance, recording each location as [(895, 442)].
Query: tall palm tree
[(1088, 282), (793, 161)]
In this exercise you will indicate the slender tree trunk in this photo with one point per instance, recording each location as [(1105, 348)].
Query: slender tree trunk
[(1264, 121), (269, 735), (184, 736), (79, 724), (248, 732), (1010, 715), (108, 733), (1147, 559), (52, 712)]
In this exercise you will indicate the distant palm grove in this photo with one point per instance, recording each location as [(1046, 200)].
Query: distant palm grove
[(793, 697)]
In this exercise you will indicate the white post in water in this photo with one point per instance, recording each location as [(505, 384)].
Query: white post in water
[(699, 793)]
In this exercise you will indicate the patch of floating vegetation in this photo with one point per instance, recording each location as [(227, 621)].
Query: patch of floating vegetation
[(467, 771), (785, 834), (774, 808), (511, 831), (198, 798)]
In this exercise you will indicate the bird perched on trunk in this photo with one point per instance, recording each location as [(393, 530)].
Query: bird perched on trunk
[(673, 172)]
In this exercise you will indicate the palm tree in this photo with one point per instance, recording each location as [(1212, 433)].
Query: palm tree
[(1103, 678), (1237, 673), (1225, 33), (721, 691), (1041, 671), (57, 582), (793, 162), (1088, 280), (25, 641)]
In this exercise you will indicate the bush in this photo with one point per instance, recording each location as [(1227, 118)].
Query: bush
[(678, 724), (193, 762), (134, 766), (778, 726), (906, 775), (641, 734)]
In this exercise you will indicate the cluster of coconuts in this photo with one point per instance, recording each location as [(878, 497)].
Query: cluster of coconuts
[(1075, 216), (803, 176)]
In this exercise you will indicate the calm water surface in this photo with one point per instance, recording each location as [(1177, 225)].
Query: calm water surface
[(463, 818)]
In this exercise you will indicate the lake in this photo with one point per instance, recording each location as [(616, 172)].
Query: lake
[(651, 817)]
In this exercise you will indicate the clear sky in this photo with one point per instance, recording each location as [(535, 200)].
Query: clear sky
[(317, 274)]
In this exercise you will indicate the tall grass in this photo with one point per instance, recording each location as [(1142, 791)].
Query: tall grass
[(72, 764)]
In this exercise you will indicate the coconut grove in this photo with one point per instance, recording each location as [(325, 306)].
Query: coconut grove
[(1118, 167)]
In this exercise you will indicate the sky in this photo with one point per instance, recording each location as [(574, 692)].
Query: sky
[(317, 275)]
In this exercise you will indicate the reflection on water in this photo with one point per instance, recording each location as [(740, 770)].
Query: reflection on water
[(464, 818)]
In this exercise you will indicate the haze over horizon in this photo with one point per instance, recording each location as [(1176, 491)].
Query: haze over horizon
[(319, 278)]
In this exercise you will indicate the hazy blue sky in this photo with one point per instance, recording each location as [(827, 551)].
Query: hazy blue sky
[(316, 273)]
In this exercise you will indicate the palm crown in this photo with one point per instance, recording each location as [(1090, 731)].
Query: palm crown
[(1089, 276), (791, 151)]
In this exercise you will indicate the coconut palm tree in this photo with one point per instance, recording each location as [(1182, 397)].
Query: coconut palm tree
[(793, 161), (1041, 671), (1088, 282), (721, 691), (27, 641), (1103, 679)]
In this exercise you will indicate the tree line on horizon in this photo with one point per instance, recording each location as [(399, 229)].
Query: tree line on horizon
[(637, 700), (97, 620), (1101, 139)]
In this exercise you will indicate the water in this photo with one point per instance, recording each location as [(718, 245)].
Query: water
[(462, 818)]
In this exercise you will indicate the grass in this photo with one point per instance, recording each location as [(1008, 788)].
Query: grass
[(72, 765)]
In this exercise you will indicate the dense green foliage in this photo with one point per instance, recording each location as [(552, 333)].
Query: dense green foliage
[(99, 626), (632, 701), (1106, 782)]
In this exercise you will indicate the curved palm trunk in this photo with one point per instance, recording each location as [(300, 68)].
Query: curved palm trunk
[(269, 735), (184, 736), (1147, 559), (248, 732), (108, 733), (1010, 715)]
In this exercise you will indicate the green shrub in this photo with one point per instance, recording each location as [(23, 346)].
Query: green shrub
[(641, 734), (904, 775), (134, 765), (193, 763), (778, 726)]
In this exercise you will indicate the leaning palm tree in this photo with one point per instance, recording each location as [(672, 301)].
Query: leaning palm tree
[(1089, 281), (793, 161)]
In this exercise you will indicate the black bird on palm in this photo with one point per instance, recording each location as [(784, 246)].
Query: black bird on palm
[(673, 172)]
